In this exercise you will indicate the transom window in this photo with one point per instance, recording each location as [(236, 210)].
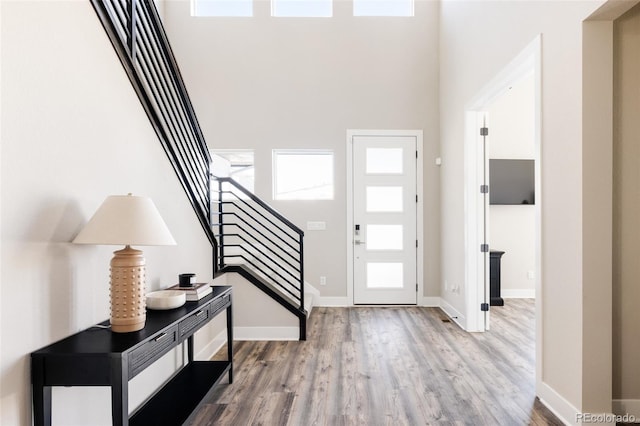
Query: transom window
[(222, 8), (383, 8), (302, 8)]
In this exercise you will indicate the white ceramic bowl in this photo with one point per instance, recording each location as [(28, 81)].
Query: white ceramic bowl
[(166, 299)]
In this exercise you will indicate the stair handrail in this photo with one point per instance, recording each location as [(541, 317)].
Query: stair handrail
[(141, 43), (275, 216), (260, 202)]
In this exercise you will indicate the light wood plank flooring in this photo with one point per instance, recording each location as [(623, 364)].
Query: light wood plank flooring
[(387, 366)]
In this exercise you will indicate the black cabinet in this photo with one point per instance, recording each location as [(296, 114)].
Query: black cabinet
[(495, 257), (99, 357)]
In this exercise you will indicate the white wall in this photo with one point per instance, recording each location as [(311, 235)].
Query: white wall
[(512, 228), (513, 231), (73, 132), (477, 40), (626, 207), (249, 320), (266, 83)]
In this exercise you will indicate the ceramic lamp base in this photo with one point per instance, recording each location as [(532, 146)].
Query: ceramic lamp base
[(128, 308)]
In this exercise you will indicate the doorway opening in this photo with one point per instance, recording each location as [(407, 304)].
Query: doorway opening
[(524, 69)]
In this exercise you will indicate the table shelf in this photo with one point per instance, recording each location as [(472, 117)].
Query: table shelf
[(182, 395)]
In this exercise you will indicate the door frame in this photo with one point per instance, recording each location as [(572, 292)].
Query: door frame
[(528, 60), (476, 220), (418, 134)]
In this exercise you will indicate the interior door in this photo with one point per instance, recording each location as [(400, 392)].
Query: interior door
[(485, 252), (384, 210)]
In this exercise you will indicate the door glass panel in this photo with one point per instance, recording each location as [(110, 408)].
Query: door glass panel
[(384, 275), (384, 237), (384, 199), (386, 161)]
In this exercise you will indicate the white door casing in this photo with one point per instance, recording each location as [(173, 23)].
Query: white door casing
[(384, 225)]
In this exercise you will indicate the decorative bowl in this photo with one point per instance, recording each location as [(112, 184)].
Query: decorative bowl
[(166, 299)]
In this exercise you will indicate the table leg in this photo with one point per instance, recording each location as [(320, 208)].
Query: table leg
[(119, 392), (190, 348), (230, 342), (41, 405), (41, 394)]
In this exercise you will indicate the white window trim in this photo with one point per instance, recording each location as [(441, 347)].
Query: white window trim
[(380, 15), (303, 151)]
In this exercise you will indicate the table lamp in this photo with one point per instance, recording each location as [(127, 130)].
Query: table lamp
[(126, 220)]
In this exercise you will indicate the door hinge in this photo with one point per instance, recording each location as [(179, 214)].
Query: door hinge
[(484, 307), (484, 189), (416, 153), (416, 287), (484, 131), (484, 248), (416, 243), (416, 198)]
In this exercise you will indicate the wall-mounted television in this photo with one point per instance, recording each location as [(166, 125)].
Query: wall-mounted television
[(511, 182)]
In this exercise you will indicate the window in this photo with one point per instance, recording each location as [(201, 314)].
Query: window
[(221, 7), (241, 167), (302, 175), (383, 7), (302, 8)]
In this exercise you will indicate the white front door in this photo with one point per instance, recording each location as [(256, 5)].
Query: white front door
[(384, 219)]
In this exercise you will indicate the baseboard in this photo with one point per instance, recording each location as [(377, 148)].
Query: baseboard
[(213, 346), (266, 333), (526, 293), (563, 409), (453, 313), (310, 288), (248, 333), (631, 407), (337, 302), (341, 302), (430, 302)]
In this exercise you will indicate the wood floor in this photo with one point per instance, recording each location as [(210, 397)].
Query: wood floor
[(387, 366)]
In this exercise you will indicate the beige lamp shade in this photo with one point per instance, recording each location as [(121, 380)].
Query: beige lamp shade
[(126, 220)]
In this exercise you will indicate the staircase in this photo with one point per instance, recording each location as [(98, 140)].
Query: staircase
[(247, 236), (261, 245)]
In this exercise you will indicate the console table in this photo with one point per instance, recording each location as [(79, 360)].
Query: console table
[(99, 357)]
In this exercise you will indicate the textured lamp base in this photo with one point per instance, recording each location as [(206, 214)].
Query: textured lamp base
[(128, 309)]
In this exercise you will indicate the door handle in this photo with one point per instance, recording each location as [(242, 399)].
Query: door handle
[(358, 242)]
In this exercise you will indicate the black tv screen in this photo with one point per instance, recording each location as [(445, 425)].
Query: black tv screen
[(511, 182)]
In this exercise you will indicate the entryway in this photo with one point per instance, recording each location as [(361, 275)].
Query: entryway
[(383, 216)]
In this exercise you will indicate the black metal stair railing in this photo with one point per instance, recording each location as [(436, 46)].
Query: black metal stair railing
[(268, 248), (137, 34), (253, 235)]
